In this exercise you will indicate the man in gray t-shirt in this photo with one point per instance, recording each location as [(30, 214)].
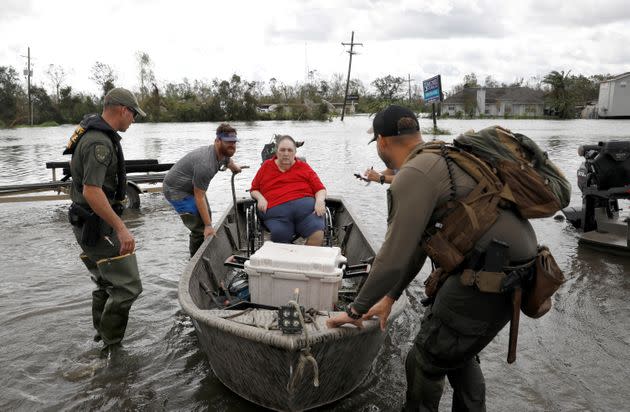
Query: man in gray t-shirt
[(185, 185)]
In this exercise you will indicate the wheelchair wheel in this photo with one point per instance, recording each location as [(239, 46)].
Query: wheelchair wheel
[(328, 228), (253, 232)]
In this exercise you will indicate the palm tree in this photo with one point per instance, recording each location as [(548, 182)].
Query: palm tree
[(559, 96)]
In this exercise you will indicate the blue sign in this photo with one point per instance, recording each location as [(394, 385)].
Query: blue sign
[(432, 89)]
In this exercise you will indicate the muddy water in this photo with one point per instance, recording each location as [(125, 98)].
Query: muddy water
[(575, 358)]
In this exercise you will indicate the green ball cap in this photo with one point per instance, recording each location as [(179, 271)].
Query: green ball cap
[(124, 97)]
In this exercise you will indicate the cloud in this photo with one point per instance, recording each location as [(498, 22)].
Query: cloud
[(578, 13), (315, 25), (13, 9), (464, 20)]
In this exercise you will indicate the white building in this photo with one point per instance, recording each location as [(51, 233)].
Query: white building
[(495, 101), (614, 97)]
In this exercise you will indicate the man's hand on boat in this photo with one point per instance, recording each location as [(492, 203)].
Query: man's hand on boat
[(381, 310), (208, 231)]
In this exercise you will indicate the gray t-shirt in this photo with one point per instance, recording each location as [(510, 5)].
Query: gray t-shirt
[(196, 169)]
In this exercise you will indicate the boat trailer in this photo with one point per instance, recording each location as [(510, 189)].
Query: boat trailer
[(139, 172)]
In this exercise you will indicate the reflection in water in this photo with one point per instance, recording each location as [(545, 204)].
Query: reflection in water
[(575, 358)]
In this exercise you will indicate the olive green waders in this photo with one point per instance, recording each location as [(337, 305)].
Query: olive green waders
[(459, 324), (117, 286), (195, 224)]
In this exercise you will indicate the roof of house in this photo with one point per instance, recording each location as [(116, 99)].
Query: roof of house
[(617, 77), (496, 94)]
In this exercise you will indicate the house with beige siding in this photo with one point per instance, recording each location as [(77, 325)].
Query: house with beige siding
[(495, 101)]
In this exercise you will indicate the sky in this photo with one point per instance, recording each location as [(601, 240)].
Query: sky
[(285, 39)]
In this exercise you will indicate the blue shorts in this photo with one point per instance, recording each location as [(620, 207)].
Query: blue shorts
[(185, 205), (296, 217)]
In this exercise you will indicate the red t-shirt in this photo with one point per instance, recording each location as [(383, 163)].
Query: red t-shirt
[(280, 187)]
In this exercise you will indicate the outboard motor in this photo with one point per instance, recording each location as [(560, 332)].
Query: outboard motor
[(603, 178), (606, 165)]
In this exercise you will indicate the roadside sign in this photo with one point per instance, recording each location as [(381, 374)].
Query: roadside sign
[(352, 97), (432, 89)]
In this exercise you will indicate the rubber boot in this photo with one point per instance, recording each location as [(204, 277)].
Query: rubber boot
[(121, 273), (99, 295)]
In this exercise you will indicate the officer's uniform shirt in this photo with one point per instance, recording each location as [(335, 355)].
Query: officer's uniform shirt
[(94, 163)]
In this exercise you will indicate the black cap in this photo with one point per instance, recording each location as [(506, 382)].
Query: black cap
[(386, 122)]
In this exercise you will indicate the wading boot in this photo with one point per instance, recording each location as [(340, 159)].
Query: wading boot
[(121, 273), (194, 223), (99, 295)]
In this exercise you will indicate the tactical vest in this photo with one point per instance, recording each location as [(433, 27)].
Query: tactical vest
[(96, 122)]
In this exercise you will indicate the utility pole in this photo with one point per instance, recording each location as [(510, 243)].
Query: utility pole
[(28, 72), (350, 52)]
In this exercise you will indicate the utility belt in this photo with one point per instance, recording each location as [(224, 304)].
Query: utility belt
[(90, 223), (531, 283)]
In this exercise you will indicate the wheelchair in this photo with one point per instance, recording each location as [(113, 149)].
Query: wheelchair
[(255, 229)]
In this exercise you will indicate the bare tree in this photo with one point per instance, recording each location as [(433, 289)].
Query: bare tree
[(145, 74), (103, 75), (57, 76)]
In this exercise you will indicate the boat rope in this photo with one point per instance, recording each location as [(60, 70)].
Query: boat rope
[(305, 355)]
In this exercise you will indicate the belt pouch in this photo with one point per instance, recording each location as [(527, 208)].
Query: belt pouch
[(548, 277)]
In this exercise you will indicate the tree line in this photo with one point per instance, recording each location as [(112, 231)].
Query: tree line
[(239, 99)]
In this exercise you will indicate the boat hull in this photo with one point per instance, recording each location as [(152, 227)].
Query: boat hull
[(261, 364), (261, 373)]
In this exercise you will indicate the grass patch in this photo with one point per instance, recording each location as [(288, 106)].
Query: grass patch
[(50, 123), (435, 131)]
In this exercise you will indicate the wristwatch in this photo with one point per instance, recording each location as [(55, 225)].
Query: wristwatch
[(355, 316), (381, 179)]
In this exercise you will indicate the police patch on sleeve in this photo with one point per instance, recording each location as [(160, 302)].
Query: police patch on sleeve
[(103, 154)]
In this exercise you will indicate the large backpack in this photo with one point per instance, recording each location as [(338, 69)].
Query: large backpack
[(511, 171), (538, 186)]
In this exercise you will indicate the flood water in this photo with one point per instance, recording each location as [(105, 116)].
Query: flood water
[(575, 358)]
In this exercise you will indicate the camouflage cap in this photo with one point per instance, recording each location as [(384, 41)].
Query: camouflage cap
[(123, 97)]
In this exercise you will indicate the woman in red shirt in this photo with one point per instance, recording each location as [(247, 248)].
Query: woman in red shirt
[(290, 196)]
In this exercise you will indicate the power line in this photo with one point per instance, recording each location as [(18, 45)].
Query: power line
[(350, 52)]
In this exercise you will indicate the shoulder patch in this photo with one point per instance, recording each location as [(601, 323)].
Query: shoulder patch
[(102, 153)]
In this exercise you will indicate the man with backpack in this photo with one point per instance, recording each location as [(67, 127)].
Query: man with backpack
[(481, 251)]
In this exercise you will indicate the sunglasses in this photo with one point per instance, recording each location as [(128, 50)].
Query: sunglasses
[(133, 111)]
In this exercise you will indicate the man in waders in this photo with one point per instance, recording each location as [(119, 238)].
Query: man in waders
[(98, 189), (185, 185), (461, 320)]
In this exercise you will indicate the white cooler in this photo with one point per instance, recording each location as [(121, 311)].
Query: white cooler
[(277, 269)]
